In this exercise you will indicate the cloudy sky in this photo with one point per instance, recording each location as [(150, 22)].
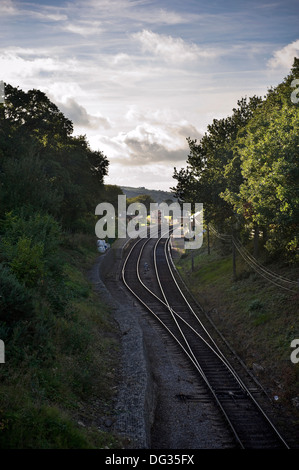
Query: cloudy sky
[(140, 76)]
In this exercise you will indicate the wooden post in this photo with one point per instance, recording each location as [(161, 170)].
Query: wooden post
[(208, 233)]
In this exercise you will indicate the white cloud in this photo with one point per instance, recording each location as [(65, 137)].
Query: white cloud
[(19, 64), (284, 58), (7, 7), (133, 10), (155, 142), (83, 28), (46, 15), (40, 12), (120, 59), (161, 16), (143, 72), (171, 49), (80, 117)]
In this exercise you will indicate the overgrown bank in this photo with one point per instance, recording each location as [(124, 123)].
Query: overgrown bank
[(61, 345), (58, 378), (258, 319)]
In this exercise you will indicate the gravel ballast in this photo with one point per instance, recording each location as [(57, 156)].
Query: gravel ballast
[(161, 403)]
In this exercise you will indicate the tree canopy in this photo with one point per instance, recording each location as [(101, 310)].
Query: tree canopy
[(245, 168), (50, 183), (42, 165)]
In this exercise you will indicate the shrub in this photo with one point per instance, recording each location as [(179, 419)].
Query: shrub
[(28, 263), (30, 246), (15, 299), (255, 305), (39, 427)]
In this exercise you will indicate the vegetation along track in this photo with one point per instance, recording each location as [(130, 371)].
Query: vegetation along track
[(165, 300)]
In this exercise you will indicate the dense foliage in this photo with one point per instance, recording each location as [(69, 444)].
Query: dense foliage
[(44, 167), (245, 169), (50, 182), (52, 327)]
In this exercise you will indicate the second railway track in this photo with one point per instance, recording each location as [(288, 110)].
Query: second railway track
[(165, 301)]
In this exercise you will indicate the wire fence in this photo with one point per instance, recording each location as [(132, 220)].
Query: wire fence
[(276, 279)]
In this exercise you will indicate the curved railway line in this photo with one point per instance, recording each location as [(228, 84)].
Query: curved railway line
[(165, 300)]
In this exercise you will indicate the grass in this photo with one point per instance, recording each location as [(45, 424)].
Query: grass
[(258, 319), (60, 371)]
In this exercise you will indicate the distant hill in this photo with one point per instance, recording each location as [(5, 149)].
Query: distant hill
[(157, 195)]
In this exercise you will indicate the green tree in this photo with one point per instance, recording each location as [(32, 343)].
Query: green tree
[(204, 179), (144, 199), (268, 196), (42, 165), (110, 193)]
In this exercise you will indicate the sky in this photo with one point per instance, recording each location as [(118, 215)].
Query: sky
[(138, 77)]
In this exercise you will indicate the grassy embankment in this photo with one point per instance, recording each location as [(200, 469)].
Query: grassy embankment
[(59, 372), (257, 318)]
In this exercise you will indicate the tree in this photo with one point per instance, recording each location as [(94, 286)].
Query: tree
[(144, 199), (42, 164), (271, 174), (268, 195), (204, 179), (110, 193), (245, 169)]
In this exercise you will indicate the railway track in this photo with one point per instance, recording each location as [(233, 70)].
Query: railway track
[(165, 300)]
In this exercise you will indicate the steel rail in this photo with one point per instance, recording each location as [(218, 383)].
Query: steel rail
[(175, 315), (219, 354), (167, 255), (197, 366)]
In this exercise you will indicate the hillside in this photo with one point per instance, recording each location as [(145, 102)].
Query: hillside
[(157, 195)]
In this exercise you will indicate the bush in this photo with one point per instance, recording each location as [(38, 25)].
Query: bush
[(15, 299), (28, 263), (255, 305), (39, 427), (40, 229), (30, 246)]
